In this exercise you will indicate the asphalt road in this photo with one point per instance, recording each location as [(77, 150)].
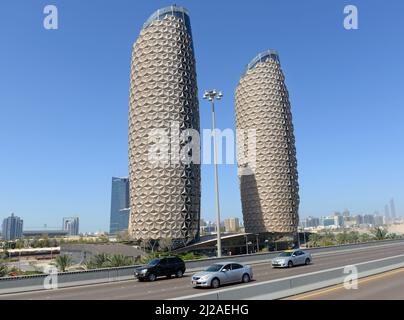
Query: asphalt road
[(171, 288), (385, 286)]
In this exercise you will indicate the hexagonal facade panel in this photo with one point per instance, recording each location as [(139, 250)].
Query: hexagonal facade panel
[(164, 198), (270, 192)]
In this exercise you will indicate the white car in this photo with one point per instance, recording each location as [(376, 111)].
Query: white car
[(222, 273), (291, 258)]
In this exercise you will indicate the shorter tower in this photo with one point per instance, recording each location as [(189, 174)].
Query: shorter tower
[(269, 189)]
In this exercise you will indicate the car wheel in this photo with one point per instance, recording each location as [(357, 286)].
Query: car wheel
[(152, 277), (307, 261), (290, 264), (179, 274), (246, 278), (215, 283)]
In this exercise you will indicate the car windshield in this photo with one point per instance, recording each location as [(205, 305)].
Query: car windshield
[(214, 267), (154, 262), (285, 254)]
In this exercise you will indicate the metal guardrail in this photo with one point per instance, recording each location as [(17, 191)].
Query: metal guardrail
[(76, 278)]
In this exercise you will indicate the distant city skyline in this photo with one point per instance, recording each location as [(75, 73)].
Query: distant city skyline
[(76, 138)]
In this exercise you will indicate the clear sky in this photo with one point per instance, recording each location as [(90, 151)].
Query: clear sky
[(64, 100)]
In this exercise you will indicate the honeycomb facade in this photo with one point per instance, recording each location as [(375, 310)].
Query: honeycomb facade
[(164, 198), (270, 191)]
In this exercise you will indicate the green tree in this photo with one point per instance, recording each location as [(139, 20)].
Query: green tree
[(353, 237), (19, 244), (63, 262), (99, 260), (119, 260), (379, 233), (3, 269), (314, 239), (393, 236), (342, 237)]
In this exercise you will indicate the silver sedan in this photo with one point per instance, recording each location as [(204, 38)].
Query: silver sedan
[(290, 258), (222, 273)]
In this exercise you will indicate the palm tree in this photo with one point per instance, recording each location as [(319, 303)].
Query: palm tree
[(353, 237), (99, 260), (119, 260), (342, 238), (364, 237), (379, 233), (63, 262), (3, 269), (314, 239)]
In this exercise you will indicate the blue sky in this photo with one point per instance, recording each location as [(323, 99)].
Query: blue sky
[(64, 100)]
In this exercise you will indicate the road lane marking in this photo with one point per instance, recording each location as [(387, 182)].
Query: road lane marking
[(341, 286)]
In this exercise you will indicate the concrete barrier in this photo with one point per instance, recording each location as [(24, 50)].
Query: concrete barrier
[(285, 287), (70, 279)]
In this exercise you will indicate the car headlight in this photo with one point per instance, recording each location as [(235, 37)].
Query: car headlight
[(204, 277), (143, 271)]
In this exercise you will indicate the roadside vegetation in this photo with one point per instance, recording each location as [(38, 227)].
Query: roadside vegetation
[(327, 238), (103, 260), (6, 271)]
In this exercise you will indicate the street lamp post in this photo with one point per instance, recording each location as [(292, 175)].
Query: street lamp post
[(258, 245), (212, 95)]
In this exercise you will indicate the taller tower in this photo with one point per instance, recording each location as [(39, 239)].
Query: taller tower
[(164, 198), (269, 192)]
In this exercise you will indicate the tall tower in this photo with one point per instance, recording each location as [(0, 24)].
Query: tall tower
[(119, 218), (269, 192), (393, 209), (164, 198), (387, 213)]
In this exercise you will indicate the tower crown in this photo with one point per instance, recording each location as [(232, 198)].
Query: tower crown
[(262, 57)]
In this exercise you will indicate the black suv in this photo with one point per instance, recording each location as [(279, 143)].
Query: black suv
[(166, 266)]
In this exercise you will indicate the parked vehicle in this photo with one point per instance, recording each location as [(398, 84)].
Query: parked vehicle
[(159, 267), (222, 273), (291, 258)]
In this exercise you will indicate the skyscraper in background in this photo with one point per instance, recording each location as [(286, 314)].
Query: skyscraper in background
[(119, 219), (270, 192), (393, 209), (387, 213), (164, 198), (12, 227), (231, 225), (71, 225)]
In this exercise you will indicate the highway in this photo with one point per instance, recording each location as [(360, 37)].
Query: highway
[(173, 288), (385, 286)]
